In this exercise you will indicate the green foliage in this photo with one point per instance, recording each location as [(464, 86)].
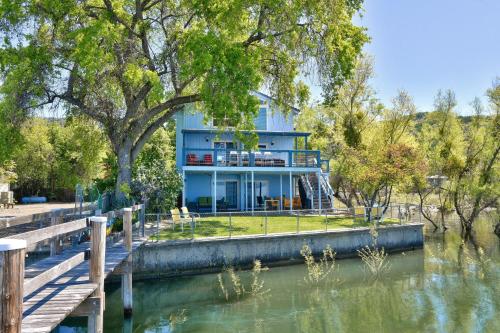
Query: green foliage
[(131, 65), (55, 157), (155, 177), (371, 147), (475, 182), (7, 172)]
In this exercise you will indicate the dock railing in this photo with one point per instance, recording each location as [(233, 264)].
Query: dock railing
[(14, 285), (266, 222)]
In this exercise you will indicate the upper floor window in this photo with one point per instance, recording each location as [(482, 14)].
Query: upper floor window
[(225, 145), (223, 122)]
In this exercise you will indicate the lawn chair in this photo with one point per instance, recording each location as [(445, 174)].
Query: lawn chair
[(189, 216), (177, 219), (360, 212)]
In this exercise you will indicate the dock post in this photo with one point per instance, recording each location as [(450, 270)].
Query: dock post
[(127, 275), (12, 252), (97, 260), (55, 244)]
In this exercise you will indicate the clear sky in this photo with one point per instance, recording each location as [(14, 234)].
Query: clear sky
[(425, 45)]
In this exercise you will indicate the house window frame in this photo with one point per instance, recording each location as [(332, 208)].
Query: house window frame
[(223, 183), (225, 144)]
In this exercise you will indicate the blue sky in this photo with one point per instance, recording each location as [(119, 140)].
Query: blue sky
[(425, 45)]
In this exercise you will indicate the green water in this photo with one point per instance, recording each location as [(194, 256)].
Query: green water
[(443, 288)]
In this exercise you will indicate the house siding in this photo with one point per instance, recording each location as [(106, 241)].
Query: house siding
[(201, 185)]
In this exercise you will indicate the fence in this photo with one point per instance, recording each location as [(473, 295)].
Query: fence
[(241, 223), (35, 222), (15, 284)]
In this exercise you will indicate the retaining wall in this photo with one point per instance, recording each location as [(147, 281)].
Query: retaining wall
[(182, 257)]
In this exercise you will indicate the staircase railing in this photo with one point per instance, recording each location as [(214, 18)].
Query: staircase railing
[(326, 187), (308, 188)]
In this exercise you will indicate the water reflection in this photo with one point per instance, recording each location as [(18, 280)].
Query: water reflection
[(450, 286)]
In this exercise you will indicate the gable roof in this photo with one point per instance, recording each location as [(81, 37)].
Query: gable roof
[(269, 98)]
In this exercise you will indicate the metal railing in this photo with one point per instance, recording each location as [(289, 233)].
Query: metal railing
[(243, 158), (242, 223), (327, 188)]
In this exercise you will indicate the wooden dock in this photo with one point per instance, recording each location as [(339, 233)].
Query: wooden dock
[(38, 297)]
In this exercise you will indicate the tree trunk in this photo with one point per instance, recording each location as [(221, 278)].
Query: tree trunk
[(124, 177), (497, 229)]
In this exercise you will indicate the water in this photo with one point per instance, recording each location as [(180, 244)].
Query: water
[(443, 288)]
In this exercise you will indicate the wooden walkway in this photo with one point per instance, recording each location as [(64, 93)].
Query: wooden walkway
[(68, 283), (48, 306)]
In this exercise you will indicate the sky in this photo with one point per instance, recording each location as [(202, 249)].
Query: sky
[(422, 46)]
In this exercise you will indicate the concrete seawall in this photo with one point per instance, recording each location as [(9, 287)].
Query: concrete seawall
[(173, 258)]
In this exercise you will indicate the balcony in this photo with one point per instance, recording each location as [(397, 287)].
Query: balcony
[(261, 158)]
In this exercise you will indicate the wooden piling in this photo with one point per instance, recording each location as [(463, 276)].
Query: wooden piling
[(55, 243), (127, 275), (97, 257), (12, 253)]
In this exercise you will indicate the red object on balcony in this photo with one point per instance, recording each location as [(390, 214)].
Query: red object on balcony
[(192, 159), (207, 159)]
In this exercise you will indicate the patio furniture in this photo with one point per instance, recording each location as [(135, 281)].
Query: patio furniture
[(221, 160), (360, 212), (233, 158), (7, 199), (245, 161), (278, 162), (187, 215), (207, 159), (271, 204), (204, 203), (268, 160), (376, 213), (221, 204), (296, 203), (191, 159), (259, 160), (177, 219)]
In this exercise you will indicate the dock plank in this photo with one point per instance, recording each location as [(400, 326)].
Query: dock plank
[(46, 307)]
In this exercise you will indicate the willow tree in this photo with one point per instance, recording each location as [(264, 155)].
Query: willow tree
[(131, 65)]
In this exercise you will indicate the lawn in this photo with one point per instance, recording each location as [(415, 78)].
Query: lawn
[(220, 226)]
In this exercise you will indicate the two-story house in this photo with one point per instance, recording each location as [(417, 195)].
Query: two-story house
[(221, 174)]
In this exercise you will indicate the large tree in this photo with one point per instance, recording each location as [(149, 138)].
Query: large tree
[(476, 177), (132, 64)]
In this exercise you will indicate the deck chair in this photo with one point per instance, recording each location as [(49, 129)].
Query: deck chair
[(360, 212), (185, 214), (177, 218)]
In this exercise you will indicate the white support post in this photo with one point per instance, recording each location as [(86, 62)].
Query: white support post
[(253, 195), (319, 192), (214, 198), (291, 192), (184, 184), (281, 191), (246, 190)]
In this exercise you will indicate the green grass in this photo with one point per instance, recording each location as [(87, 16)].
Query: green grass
[(219, 226)]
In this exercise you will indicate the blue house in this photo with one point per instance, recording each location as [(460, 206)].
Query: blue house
[(220, 174)]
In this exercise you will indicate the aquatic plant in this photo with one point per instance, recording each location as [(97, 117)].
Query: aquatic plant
[(318, 271), (177, 317), (237, 288), (375, 260)]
